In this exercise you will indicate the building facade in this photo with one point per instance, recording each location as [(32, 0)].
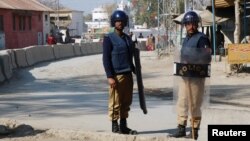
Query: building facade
[(100, 20), (22, 23), (68, 18)]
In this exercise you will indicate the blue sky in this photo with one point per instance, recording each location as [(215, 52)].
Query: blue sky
[(85, 5)]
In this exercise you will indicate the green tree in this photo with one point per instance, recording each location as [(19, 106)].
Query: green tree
[(145, 11), (87, 17)]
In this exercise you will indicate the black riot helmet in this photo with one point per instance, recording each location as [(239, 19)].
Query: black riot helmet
[(191, 17), (119, 15)]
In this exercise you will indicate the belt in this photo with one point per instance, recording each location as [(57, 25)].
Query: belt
[(124, 73)]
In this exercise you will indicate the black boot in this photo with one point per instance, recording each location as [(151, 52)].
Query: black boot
[(181, 131), (124, 129), (190, 135), (115, 126)]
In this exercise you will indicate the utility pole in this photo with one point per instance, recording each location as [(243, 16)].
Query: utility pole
[(159, 15), (214, 32), (166, 10), (160, 42), (172, 10), (58, 13), (189, 5)]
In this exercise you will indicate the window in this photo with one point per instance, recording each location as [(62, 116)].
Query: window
[(1, 23), (29, 20), (20, 22), (46, 17), (39, 17), (24, 22), (52, 18), (14, 22)]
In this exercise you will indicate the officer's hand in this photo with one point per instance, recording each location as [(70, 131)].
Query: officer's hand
[(112, 82)]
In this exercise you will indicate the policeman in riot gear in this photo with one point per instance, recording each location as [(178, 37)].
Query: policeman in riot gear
[(192, 69), (118, 65)]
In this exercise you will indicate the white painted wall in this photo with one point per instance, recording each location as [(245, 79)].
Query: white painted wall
[(95, 25), (99, 14), (77, 23)]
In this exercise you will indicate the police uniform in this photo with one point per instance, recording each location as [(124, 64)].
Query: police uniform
[(191, 89), (195, 51), (118, 65), (117, 61)]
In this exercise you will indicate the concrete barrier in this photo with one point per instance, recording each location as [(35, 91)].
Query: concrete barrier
[(99, 47), (95, 48), (37, 54), (84, 49), (2, 78), (13, 58), (89, 48), (31, 55), (20, 56), (63, 51), (46, 52), (77, 49), (5, 61)]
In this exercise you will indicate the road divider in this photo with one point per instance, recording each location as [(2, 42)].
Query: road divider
[(11, 59)]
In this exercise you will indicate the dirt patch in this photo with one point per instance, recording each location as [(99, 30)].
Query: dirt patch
[(11, 128)]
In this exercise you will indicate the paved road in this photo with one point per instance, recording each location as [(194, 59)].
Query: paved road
[(72, 94)]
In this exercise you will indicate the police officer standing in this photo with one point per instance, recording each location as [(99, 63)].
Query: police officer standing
[(118, 65), (195, 58)]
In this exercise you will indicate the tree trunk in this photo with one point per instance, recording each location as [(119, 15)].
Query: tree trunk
[(237, 22), (236, 67)]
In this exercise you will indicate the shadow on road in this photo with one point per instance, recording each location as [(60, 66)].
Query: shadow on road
[(234, 95), (167, 131)]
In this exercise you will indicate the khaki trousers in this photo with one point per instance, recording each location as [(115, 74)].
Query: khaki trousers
[(190, 97), (120, 97)]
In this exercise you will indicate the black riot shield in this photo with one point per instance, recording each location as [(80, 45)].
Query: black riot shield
[(139, 80)]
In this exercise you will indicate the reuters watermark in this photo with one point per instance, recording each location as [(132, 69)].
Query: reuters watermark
[(233, 132)]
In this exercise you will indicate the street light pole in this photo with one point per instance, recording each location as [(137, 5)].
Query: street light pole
[(158, 17)]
